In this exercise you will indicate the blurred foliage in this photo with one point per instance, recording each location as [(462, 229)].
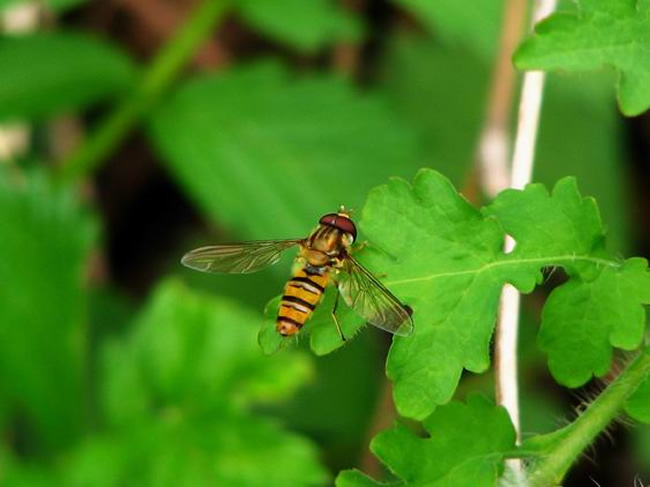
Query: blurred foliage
[(44, 74), (46, 237), (98, 389), (284, 147), (306, 26)]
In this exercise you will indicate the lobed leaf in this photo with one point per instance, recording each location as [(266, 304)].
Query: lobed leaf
[(444, 258), (592, 316), (466, 446), (48, 73), (602, 33)]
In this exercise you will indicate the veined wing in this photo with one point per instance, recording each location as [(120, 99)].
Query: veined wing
[(369, 298), (238, 258)]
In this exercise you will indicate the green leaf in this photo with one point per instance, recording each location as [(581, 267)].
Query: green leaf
[(177, 396), (467, 445), (638, 406), (605, 312), (46, 238), (574, 109), (194, 350), (603, 33), (475, 27), (444, 258), (45, 74), (267, 155), (441, 92), (321, 330), (306, 26), (229, 448)]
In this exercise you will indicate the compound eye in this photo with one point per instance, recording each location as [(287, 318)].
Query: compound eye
[(346, 225), (329, 219), (343, 223)]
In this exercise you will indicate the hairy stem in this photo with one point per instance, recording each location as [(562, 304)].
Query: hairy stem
[(155, 80), (551, 468)]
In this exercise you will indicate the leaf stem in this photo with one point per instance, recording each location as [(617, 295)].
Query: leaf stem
[(551, 468), (507, 386), (155, 80)]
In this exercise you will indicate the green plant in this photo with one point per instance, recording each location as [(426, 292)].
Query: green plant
[(95, 390)]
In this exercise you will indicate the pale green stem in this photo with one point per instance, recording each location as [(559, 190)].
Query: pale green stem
[(551, 468), (155, 80)]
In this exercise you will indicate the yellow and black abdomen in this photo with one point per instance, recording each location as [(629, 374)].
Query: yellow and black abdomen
[(301, 296)]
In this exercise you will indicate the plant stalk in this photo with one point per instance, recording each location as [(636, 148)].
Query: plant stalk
[(507, 386), (156, 79), (552, 467)]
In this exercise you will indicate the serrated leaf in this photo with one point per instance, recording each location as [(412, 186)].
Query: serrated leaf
[(444, 258), (476, 25), (306, 26), (603, 33), (267, 155), (177, 395), (466, 446), (47, 73), (638, 405), (46, 238), (592, 317)]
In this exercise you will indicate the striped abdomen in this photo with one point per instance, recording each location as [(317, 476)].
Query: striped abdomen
[(301, 296)]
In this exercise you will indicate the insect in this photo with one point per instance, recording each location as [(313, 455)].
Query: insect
[(324, 257)]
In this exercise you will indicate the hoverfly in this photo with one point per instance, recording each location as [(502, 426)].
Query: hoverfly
[(323, 257)]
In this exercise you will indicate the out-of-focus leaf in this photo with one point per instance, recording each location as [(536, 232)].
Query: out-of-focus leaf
[(22, 474), (641, 445), (177, 393), (474, 25), (638, 406), (337, 407), (45, 239), (44, 74), (466, 447), (195, 351), (225, 448), (441, 93), (306, 26), (603, 33), (268, 155)]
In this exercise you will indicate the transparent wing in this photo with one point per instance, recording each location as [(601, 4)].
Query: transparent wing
[(369, 298), (238, 258)]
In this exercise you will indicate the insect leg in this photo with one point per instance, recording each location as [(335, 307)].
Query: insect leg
[(335, 318)]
